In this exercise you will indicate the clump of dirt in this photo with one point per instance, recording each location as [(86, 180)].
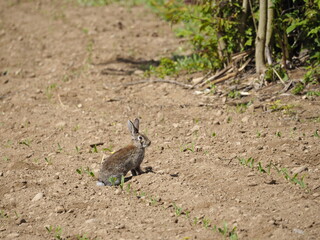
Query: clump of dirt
[(214, 163)]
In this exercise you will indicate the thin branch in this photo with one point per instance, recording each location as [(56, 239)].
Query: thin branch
[(183, 85)]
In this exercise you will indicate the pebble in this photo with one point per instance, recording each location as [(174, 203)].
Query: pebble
[(299, 231), (195, 128), (1, 174), (59, 209), (245, 119), (13, 235), (20, 221), (299, 169), (37, 197), (92, 220), (121, 226), (117, 192)]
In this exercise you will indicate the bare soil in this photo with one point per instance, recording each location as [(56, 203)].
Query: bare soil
[(62, 68)]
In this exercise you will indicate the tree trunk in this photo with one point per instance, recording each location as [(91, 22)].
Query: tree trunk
[(269, 33), (261, 38), (244, 15)]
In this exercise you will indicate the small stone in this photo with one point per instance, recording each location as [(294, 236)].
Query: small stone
[(117, 192), (1, 174), (299, 231), (13, 235), (176, 125), (37, 197), (300, 169), (79, 105), (121, 226), (59, 209), (245, 119), (193, 160), (195, 128), (20, 221), (92, 220), (61, 124), (218, 113)]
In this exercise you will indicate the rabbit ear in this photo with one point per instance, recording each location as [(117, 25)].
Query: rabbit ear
[(133, 130), (136, 123)]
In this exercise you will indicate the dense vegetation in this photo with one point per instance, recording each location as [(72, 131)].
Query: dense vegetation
[(219, 29)]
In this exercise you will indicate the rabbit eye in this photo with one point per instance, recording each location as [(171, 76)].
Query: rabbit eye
[(140, 138)]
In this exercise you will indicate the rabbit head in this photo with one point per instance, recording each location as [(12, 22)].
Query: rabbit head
[(139, 140)]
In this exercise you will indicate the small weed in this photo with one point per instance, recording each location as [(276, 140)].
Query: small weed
[(298, 88), (231, 234), (234, 94), (86, 170), (94, 149), (128, 188), (186, 148), (258, 134), (48, 161), (313, 93), (122, 182), (50, 89), (213, 134), (229, 119), (112, 180), (260, 168), (5, 158), (316, 134), (76, 128), (108, 149), (206, 223), (178, 210), (195, 220), (26, 142), (8, 144), (278, 133), (78, 149), (56, 231), (3, 214), (242, 107), (59, 150), (247, 162)]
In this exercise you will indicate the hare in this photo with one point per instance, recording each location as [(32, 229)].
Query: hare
[(124, 160)]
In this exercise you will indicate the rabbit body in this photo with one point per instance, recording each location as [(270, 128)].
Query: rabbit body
[(126, 159)]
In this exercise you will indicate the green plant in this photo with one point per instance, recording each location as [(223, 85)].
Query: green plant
[(122, 182), (94, 149), (206, 223), (278, 133), (59, 150), (26, 142), (86, 170), (188, 147), (3, 214), (112, 180), (247, 162), (50, 89), (298, 88), (316, 134), (5, 158), (313, 93), (227, 233), (55, 231), (48, 160), (178, 210), (234, 94)]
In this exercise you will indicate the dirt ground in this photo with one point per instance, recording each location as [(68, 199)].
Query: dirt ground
[(62, 67)]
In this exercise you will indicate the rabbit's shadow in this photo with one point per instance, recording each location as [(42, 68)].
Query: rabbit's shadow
[(146, 170)]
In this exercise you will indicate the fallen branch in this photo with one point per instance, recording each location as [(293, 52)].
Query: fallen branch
[(201, 81), (218, 74), (183, 85)]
